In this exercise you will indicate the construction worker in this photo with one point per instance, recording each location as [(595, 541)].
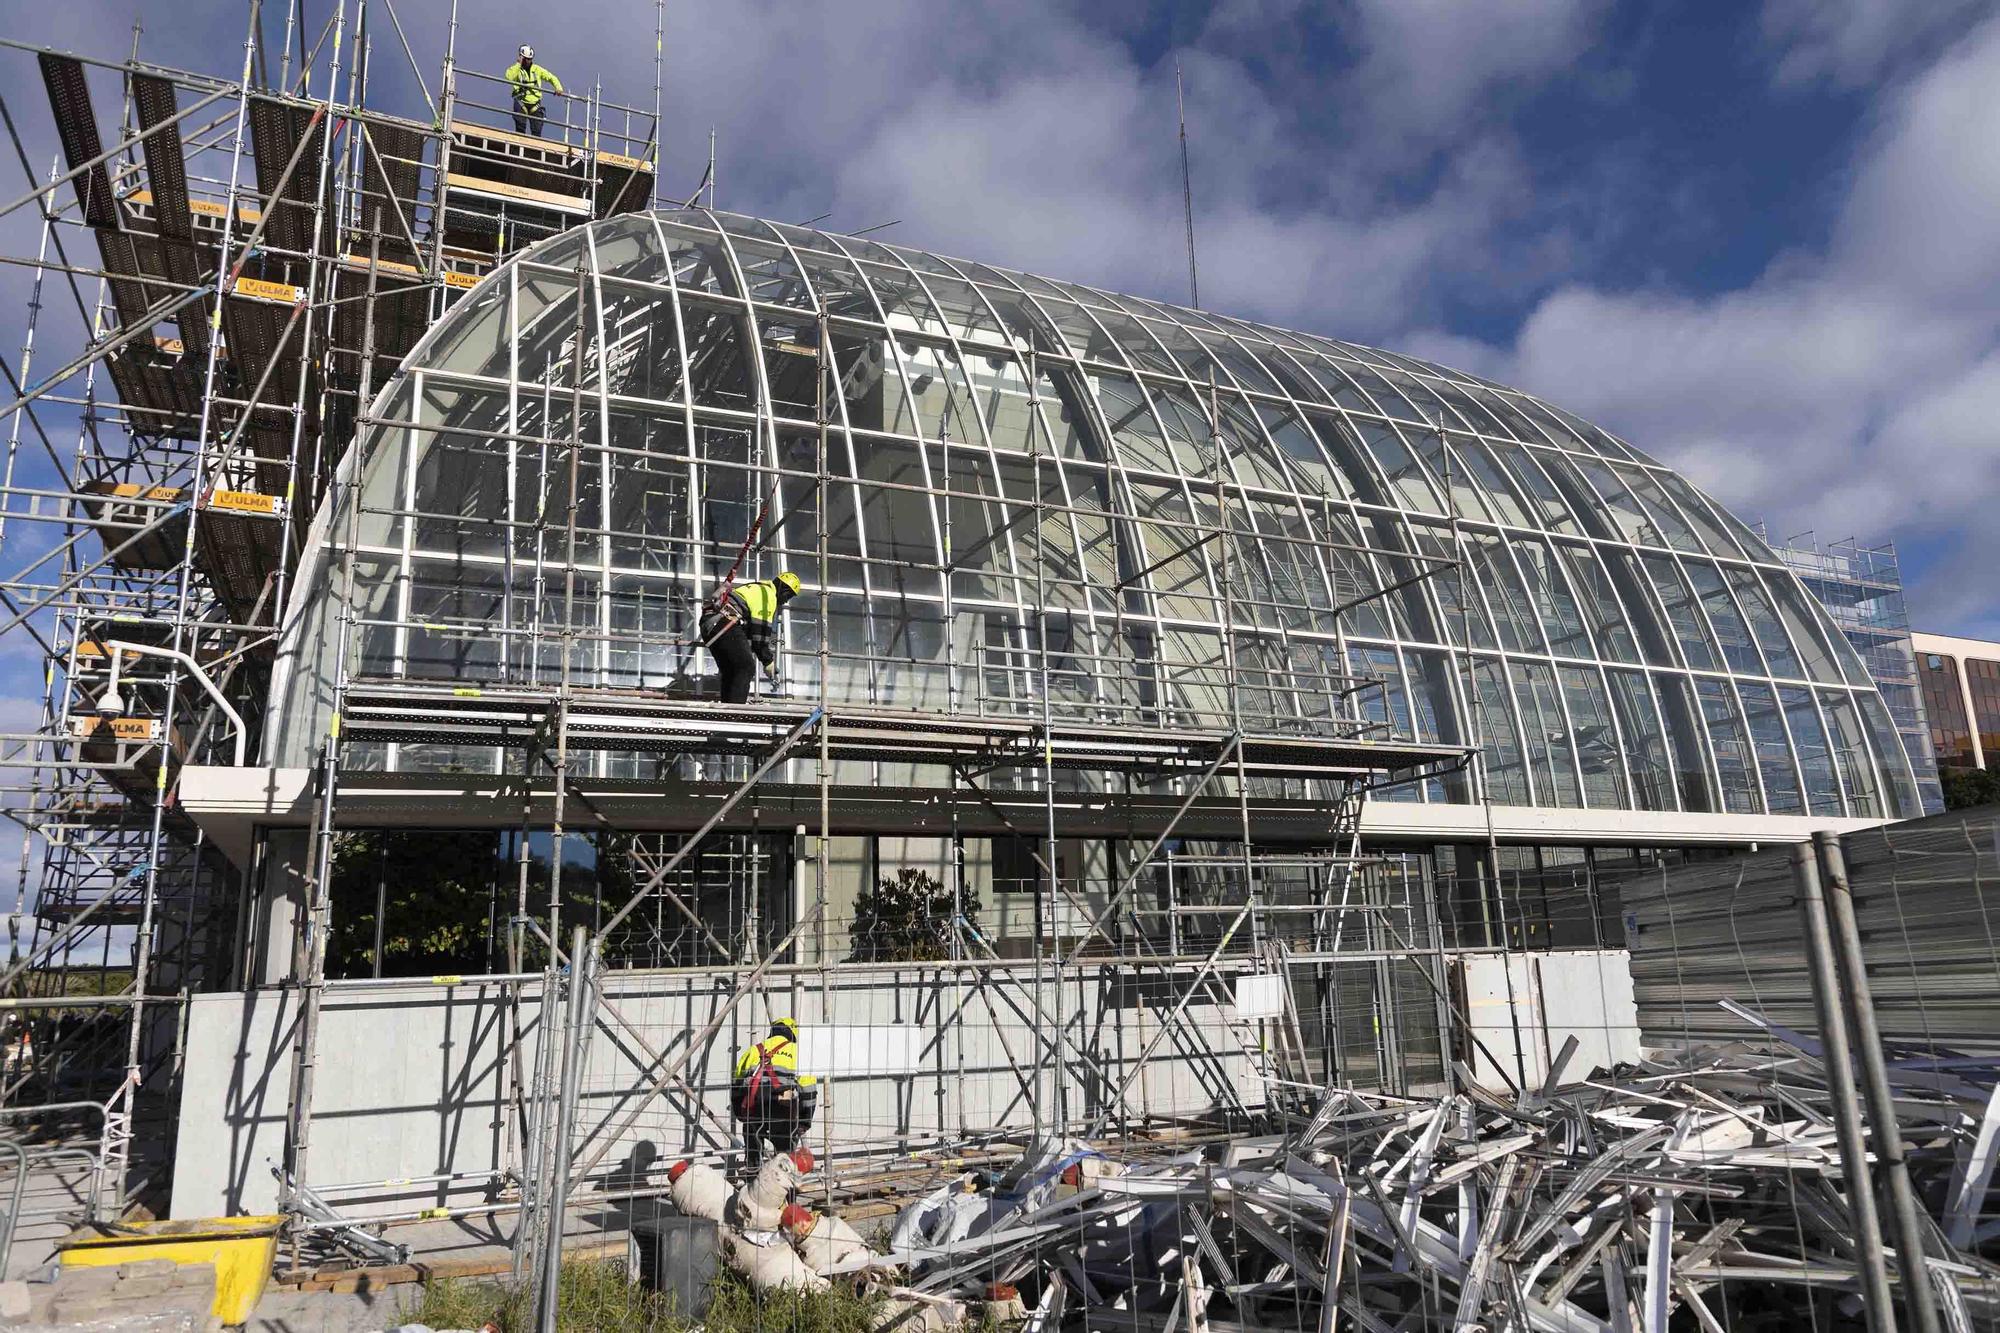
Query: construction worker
[(739, 630), (768, 1095), (527, 79)]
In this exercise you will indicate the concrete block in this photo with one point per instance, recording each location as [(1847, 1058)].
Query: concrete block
[(15, 1300), (148, 1268)]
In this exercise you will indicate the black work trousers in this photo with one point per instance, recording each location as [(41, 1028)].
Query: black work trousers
[(734, 660), (528, 119), (775, 1133)]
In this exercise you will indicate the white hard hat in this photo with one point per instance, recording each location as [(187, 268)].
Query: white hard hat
[(527, 52)]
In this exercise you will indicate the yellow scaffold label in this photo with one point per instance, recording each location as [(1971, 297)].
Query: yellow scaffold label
[(333, 726), (434, 1214), (258, 289), (447, 979), (462, 281), (244, 502), (121, 728), (464, 693)]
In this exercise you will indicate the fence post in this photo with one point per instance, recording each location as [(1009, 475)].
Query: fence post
[(1918, 1298), (576, 1045)]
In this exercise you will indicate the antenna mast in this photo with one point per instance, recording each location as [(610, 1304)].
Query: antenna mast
[(1187, 188)]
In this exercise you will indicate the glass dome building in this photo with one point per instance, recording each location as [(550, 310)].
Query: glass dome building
[(1150, 501)]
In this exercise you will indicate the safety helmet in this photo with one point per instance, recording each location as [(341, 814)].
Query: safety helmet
[(789, 582), (788, 1026), (527, 53)]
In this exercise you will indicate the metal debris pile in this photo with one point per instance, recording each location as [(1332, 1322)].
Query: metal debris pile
[(1705, 1191)]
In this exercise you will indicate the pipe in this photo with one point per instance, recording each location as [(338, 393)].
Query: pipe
[(1893, 1167), (1840, 1080), (201, 678)]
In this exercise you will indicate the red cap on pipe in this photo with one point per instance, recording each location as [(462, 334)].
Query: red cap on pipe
[(797, 1220), (802, 1158), (675, 1172)]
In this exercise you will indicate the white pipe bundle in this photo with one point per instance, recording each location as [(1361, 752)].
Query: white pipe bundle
[(697, 1190), (822, 1240), (770, 1267), (760, 1205)]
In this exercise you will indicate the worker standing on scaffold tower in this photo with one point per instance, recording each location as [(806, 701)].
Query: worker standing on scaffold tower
[(740, 631), (527, 79)]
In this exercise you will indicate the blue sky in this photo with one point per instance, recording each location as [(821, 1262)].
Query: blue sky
[(1757, 239)]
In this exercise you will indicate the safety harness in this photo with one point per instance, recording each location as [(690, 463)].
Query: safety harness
[(766, 1071)]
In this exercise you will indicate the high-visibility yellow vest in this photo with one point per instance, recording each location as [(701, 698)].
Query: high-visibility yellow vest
[(759, 600), (528, 83), (781, 1053)]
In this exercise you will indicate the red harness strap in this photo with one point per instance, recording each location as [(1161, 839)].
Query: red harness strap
[(765, 1071)]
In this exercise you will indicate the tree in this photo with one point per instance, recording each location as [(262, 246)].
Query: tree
[(439, 888), (906, 917), (1967, 787)]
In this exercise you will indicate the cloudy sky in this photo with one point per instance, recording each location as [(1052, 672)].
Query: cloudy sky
[(1759, 241)]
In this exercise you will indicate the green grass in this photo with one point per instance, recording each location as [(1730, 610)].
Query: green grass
[(594, 1297)]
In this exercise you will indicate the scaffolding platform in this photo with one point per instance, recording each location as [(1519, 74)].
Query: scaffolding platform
[(636, 721)]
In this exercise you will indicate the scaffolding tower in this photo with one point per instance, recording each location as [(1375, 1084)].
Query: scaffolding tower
[(243, 255)]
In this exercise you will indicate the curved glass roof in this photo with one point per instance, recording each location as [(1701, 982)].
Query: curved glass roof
[(1017, 468)]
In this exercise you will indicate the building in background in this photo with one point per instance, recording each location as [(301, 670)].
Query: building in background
[(1961, 694), (1862, 589)]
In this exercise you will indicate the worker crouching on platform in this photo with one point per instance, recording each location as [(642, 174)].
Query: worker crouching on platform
[(741, 631), (774, 1103)]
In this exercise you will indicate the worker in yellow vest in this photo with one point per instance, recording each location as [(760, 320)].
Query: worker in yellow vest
[(769, 1097), (740, 630), (527, 79)]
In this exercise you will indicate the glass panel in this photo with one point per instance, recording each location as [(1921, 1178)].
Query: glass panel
[(1435, 712), (1815, 756), (1547, 734), (1690, 754), (1890, 754), (1595, 736), (1857, 769), (1599, 603), (1731, 631), (1561, 619), (1405, 474), (1501, 582), (1542, 496), (1803, 626), (1506, 774), (1645, 741), (1763, 620), (1774, 754), (1689, 630), (1733, 759)]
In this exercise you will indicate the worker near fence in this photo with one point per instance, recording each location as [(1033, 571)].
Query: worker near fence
[(527, 80), (768, 1095), (740, 629)]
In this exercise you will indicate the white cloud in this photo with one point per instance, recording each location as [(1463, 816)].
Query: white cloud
[(1852, 42), (1429, 63), (1851, 391)]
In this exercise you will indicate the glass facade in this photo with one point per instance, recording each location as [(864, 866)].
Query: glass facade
[(1027, 481)]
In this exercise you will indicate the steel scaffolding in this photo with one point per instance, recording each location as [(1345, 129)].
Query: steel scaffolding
[(299, 238)]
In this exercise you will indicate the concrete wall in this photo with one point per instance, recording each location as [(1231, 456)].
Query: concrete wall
[(410, 1077), (412, 1084)]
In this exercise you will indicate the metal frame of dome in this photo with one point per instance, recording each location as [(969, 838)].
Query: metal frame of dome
[(1517, 578)]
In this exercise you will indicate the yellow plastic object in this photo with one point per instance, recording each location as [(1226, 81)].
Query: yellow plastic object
[(242, 1249)]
